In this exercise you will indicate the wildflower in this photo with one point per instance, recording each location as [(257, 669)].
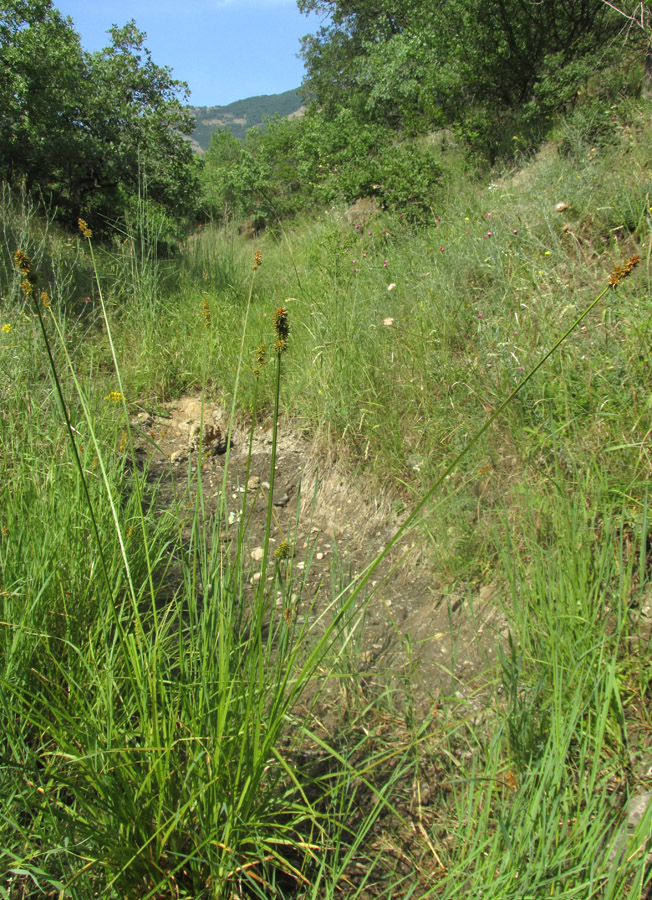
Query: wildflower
[(441, 249), (282, 329), (388, 322), (258, 259), (514, 231), (83, 227), (364, 255), (114, 397), (385, 264), (489, 233), (480, 316), (282, 551), (6, 328), (391, 287), (621, 272), (547, 253), (45, 300)]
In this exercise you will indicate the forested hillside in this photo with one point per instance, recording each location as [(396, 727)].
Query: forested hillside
[(242, 115)]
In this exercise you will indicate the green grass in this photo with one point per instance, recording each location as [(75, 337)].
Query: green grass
[(163, 730)]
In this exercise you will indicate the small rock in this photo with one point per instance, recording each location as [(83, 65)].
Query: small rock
[(143, 420), (254, 483), (319, 555), (178, 456), (209, 436), (256, 577), (257, 554), (283, 500)]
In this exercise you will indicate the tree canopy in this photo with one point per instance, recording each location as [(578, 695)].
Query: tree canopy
[(469, 63), (89, 129)]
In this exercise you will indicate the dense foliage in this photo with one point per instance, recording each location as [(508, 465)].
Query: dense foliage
[(380, 75), (467, 63), (89, 130)]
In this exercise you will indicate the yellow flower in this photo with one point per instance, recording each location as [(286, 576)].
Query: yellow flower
[(114, 397), (6, 328)]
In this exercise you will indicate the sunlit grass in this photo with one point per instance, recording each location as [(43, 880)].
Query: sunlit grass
[(161, 731)]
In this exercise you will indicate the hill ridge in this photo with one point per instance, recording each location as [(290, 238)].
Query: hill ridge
[(241, 115)]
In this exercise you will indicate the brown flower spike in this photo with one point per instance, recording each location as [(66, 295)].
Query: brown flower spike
[(83, 227), (261, 357), (621, 272), (24, 265), (282, 328)]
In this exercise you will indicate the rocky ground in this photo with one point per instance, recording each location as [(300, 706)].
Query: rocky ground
[(335, 530)]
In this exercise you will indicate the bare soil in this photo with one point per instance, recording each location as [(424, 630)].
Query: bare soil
[(446, 640)]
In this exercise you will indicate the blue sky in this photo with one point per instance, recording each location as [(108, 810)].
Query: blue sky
[(225, 49)]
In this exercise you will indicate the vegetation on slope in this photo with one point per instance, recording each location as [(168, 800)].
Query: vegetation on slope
[(165, 723), (238, 117)]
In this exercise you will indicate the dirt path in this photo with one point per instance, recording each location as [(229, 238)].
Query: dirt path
[(448, 641)]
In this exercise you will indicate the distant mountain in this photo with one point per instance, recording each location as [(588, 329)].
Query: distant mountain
[(238, 117)]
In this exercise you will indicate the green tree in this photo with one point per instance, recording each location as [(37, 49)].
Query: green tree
[(413, 64), (89, 129)]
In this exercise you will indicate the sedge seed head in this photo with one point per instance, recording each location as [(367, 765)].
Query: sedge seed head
[(83, 227), (282, 329), (281, 325), (24, 266), (261, 358), (22, 261), (45, 300), (282, 551), (621, 272), (258, 259)]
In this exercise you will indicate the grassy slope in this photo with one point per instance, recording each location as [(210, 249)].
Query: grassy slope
[(522, 801)]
